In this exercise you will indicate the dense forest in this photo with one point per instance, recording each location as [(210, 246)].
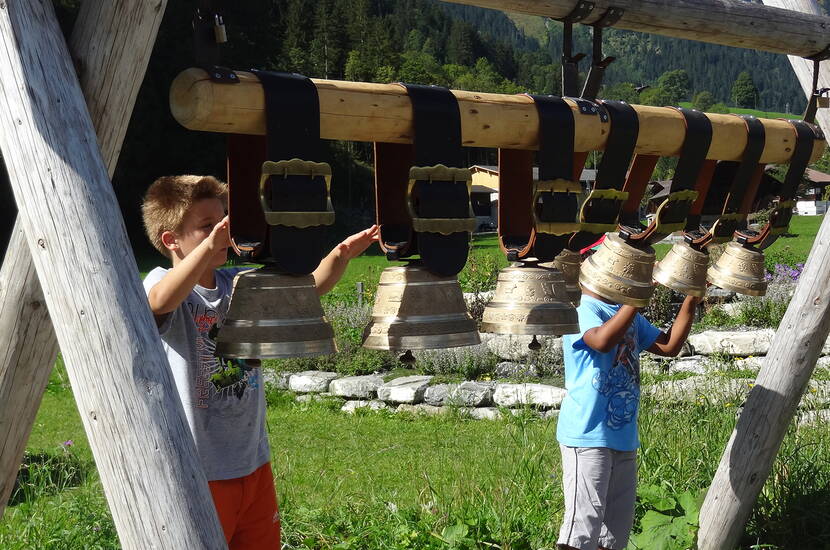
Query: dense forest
[(422, 41)]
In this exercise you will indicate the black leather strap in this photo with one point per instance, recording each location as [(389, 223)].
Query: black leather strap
[(779, 221), (437, 141), (602, 208), (292, 111), (556, 164), (672, 213)]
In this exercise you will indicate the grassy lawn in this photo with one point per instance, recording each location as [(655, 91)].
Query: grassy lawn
[(385, 481)]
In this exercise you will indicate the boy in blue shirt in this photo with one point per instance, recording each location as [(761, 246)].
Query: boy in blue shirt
[(597, 429)]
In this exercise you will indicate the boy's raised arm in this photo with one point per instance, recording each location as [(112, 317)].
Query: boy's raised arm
[(605, 337), (332, 267), (669, 344), (174, 287)]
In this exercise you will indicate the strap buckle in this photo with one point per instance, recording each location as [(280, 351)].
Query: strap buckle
[(780, 217), (687, 195), (601, 194), (440, 174), (555, 187), (296, 167), (725, 226)]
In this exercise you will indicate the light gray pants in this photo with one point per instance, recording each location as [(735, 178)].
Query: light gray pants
[(600, 486)]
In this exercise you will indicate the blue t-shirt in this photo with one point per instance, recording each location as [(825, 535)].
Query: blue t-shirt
[(603, 398)]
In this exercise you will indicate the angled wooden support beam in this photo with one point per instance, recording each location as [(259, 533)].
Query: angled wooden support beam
[(771, 405), (362, 111), (727, 22), (145, 454), (110, 77)]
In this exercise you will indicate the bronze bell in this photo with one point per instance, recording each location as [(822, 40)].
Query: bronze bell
[(568, 263), (274, 315), (740, 269), (683, 270), (619, 272), (416, 309), (532, 300)]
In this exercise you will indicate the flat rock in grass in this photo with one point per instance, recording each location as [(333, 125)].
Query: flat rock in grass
[(437, 395), (549, 414), (513, 347), (537, 395), (735, 343), (485, 413), (407, 389), (375, 405), (812, 418), (472, 394), (276, 380), (309, 397), (696, 364), (817, 395), (421, 408), (707, 389), (311, 381), (749, 363), (510, 369), (356, 387)]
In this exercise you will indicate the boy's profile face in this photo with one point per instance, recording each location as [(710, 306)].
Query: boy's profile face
[(196, 227)]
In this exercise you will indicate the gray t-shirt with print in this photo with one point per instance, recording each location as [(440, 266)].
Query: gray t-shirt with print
[(224, 403)]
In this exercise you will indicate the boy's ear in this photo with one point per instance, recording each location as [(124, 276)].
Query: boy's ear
[(168, 239)]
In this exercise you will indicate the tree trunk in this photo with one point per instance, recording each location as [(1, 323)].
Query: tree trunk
[(110, 77), (145, 454), (773, 401), (361, 111), (728, 22)]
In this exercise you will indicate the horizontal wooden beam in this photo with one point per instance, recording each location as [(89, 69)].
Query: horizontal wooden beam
[(727, 22), (360, 111)]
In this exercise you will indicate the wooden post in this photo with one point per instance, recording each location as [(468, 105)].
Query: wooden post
[(145, 454), (361, 111), (785, 372), (110, 77), (728, 22)]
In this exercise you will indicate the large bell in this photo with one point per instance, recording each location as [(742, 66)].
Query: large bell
[(274, 315), (530, 300), (739, 269), (683, 270), (568, 262), (619, 272), (416, 309)]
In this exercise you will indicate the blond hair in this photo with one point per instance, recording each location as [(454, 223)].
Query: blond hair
[(170, 197)]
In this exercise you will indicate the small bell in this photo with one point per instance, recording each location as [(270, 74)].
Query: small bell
[(274, 315), (531, 300), (568, 262), (416, 309), (740, 269), (683, 270), (619, 272)]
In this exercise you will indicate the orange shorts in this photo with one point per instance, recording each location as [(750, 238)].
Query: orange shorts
[(247, 508)]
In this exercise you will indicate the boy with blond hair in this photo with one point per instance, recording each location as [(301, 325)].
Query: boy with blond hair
[(185, 219)]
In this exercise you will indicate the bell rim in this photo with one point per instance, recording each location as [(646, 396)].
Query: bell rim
[(523, 329), (673, 283), (618, 297), (421, 341), (276, 350), (722, 280)]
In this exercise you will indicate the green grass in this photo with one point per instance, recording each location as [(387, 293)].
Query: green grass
[(753, 112), (385, 481)]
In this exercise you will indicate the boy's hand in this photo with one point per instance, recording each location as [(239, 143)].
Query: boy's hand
[(356, 244), (220, 236)]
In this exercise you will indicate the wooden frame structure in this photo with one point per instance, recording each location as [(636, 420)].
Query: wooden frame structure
[(69, 229)]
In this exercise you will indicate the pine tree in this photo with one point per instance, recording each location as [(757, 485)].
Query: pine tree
[(744, 92)]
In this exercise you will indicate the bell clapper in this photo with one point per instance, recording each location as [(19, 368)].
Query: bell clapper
[(407, 358), (534, 344)]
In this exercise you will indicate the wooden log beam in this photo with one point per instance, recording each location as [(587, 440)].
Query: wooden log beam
[(771, 405), (727, 22), (145, 454), (360, 111), (110, 76)]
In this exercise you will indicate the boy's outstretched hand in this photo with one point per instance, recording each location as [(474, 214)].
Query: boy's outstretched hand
[(355, 245)]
